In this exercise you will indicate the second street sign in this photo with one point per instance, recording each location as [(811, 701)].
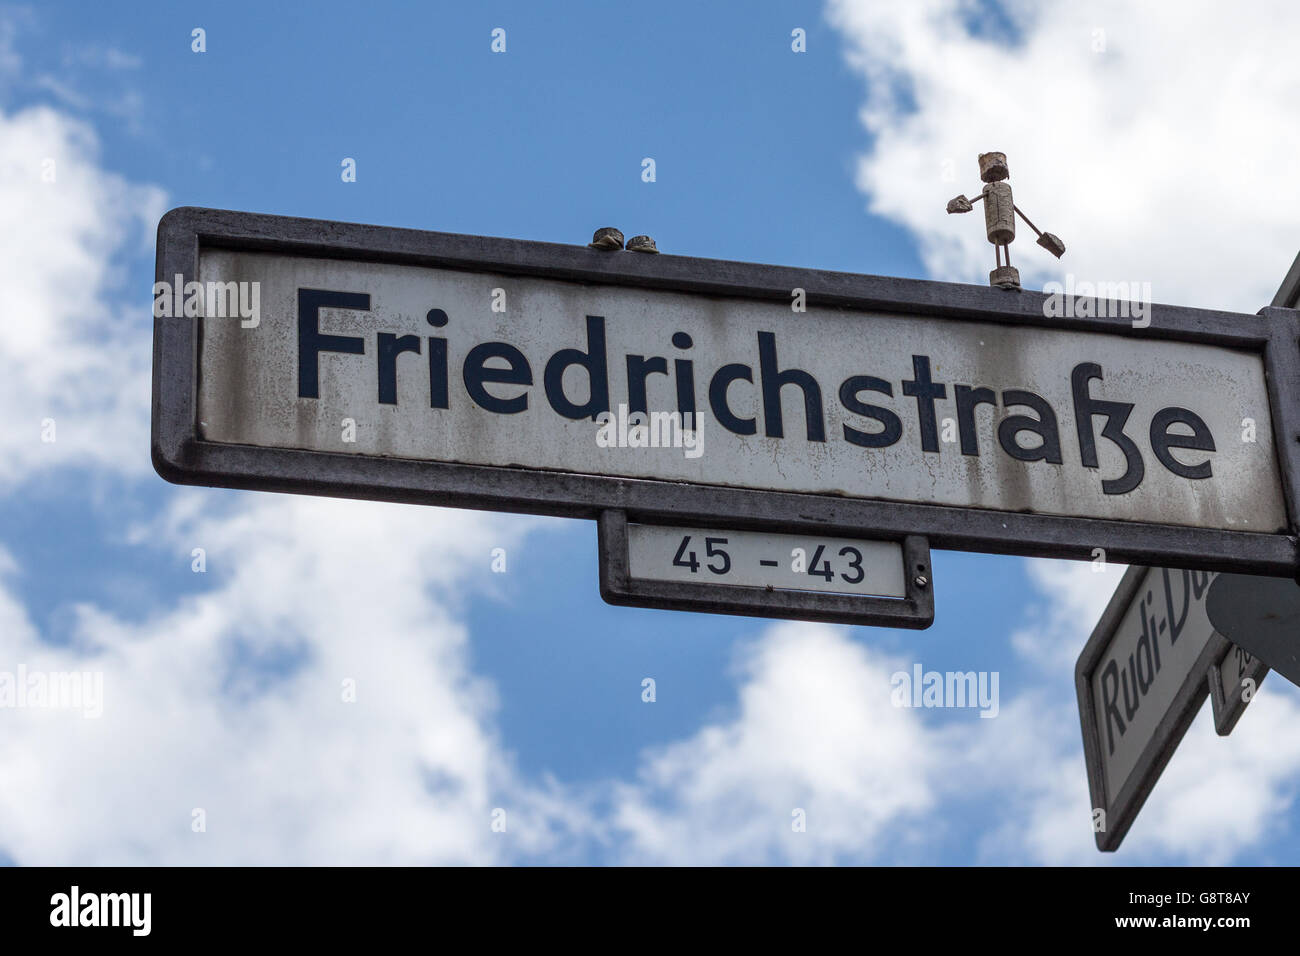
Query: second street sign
[(1145, 672), (520, 376)]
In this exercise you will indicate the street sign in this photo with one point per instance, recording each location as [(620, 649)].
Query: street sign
[(1263, 616), (766, 574), (1234, 680), (493, 373), (1141, 678)]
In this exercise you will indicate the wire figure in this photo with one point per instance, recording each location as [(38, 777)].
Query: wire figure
[(1000, 220)]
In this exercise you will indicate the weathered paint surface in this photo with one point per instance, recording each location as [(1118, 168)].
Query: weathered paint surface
[(248, 393)]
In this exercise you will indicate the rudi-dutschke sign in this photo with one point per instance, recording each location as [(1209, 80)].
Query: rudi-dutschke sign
[(1145, 672), (502, 374)]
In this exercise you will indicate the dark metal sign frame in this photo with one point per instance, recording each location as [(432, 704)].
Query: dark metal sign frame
[(617, 586), (179, 455)]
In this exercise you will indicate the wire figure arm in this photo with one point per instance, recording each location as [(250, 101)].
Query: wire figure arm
[(962, 204), (1045, 239)]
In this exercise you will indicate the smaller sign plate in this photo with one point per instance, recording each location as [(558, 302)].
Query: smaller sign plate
[(1234, 681), (765, 573)]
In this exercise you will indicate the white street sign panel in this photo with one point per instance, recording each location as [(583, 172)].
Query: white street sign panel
[(1140, 680), (863, 397), (758, 559)]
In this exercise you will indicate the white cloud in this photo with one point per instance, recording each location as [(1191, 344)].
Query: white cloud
[(74, 346), (1029, 766), (814, 730), (1220, 799), (1077, 594), (229, 699), (232, 701), (1168, 157)]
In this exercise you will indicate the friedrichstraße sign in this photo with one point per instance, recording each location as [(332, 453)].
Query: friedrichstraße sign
[(501, 374), (1143, 675)]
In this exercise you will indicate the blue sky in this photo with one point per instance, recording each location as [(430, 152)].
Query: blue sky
[(522, 690)]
